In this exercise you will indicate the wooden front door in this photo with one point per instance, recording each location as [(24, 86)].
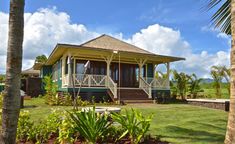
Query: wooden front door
[(128, 74)]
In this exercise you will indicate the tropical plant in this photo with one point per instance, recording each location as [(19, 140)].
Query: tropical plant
[(216, 74), (194, 85), (67, 132), (179, 83), (226, 74), (135, 125), (51, 90), (53, 121), (224, 19), (24, 126), (11, 102), (91, 125), (49, 85)]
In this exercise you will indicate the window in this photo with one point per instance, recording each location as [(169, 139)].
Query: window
[(66, 65), (80, 68), (55, 69)]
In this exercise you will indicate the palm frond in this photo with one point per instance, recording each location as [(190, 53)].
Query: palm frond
[(221, 19)]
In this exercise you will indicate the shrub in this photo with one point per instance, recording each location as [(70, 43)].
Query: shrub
[(53, 121), (51, 90), (40, 133), (24, 126), (49, 128), (135, 125), (91, 125), (67, 132)]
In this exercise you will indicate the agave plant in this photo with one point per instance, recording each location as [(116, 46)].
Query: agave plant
[(91, 125), (135, 125)]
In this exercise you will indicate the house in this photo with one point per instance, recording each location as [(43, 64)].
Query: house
[(117, 70), (31, 82)]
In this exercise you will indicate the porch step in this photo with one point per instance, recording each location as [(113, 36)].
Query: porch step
[(138, 101), (133, 94), (129, 95)]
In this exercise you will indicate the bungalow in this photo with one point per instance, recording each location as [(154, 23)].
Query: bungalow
[(117, 70)]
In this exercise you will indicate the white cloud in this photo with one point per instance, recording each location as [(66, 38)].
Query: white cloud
[(43, 29), (46, 27), (163, 40)]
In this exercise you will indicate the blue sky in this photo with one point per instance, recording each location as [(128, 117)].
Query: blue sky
[(129, 17)]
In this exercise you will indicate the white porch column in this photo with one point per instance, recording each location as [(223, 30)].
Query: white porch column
[(154, 70), (107, 72), (108, 61), (141, 64), (168, 73), (69, 70), (63, 70), (140, 72)]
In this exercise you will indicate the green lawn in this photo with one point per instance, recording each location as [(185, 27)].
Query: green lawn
[(175, 123), (209, 91)]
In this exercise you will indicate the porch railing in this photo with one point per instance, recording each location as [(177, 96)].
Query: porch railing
[(158, 83), (90, 80), (112, 86), (65, 79), (146, 87)]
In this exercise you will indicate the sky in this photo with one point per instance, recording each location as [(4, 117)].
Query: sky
[(176, 28)]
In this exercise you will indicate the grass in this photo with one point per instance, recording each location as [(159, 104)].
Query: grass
[(209, 91), (175, 123)]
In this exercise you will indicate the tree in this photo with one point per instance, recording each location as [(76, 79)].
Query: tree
[(216, 74), (194, 85), (11, 100), (224, 19), (41, 59), (179, 82), (226, 74)]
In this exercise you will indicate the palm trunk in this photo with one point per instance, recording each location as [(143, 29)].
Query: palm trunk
[(230, 134), (11, 101)]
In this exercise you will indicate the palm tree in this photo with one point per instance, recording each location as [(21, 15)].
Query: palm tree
[(11, 101), (226, 74), (179, 82), (194, 85), (224, 19), (217, 79)]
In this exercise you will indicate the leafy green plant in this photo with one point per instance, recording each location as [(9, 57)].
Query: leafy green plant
[(51, 90), (67, 132), (180, 83), (216, 74), (24, 126), (49, 85), (194, 85), (91, 125), (53, 121), (135, 125)]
